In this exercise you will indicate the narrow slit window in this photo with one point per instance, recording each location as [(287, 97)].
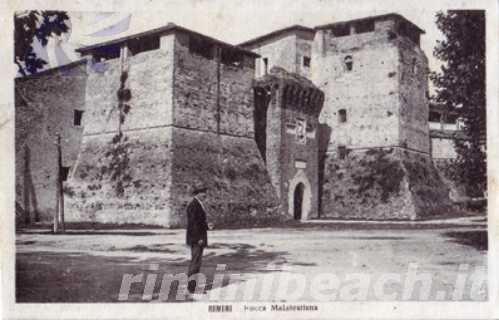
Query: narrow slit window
[(348, 61), (65, 173), (77, 118), (342, 115), (342, 152), (265, 65), (306, 62)]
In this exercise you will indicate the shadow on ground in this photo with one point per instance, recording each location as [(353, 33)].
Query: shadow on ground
[(80, 277), (474, 238), (94, 232)]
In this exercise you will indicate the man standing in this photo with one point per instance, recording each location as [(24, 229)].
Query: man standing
[(196, 237)]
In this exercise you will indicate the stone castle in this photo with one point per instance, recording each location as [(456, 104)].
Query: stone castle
[(301, 123)]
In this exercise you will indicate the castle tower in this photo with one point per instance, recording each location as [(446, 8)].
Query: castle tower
[(376, 160), (164, 111), (287, 107), (288, 48), (374, 75)]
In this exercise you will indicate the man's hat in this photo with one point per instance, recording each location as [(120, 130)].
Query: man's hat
[(199, 188)]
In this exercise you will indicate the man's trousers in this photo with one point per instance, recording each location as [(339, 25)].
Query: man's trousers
[(195, 265)]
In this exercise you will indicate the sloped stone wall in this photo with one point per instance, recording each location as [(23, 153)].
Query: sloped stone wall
[(240, 192), (213, 141), (145, 198), (381, 184)]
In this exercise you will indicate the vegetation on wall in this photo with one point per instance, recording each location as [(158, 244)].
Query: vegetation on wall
[(118, 154), (380, 171)]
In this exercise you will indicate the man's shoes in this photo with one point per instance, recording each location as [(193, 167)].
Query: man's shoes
[(198, 296)]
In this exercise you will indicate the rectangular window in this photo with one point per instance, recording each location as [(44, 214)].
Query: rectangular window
[(201, 47), (342, 152), (364, 26), (434, 116), (306, 61), (106, 53), (231, 57), (143, 44), (77, 117), (342, 115), (341, 30)]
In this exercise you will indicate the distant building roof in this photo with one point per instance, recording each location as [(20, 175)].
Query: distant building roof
[(277, 33), (169, 28), (379, 17)]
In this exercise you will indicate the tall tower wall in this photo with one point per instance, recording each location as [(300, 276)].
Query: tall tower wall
[(375, 161), (213, 136)]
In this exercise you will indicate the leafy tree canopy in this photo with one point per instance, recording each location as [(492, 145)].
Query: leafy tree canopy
[(35, 24), (460, 84)]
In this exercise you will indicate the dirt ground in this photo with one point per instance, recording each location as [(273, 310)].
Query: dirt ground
[(89, 265)]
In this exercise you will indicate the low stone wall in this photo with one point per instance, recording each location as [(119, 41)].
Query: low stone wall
[(382, 184)]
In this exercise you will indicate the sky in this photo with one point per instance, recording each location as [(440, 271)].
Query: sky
[(233, 21)]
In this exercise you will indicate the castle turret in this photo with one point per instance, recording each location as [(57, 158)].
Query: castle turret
[(287, 108)]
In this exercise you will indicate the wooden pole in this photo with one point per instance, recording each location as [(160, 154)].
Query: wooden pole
[(57, 195), (60, 188)]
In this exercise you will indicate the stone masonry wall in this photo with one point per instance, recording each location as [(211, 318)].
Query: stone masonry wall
[(222, 154), (413, 79), (240, 192), (303, 49), (127, 179), (379, 184), (146, 181), (368, 93), (281, 52), (45, 105)]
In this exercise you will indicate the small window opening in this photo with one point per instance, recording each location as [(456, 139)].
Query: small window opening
[(201, 47), (306, 62), (451, 118), (139, 45), (106, 53), (348, 63), (65, 173), (265, 65), (364, 26), (341, 30), (77, 117), (434, 116), (232, 57), (342, 115), (342, 152), (414, 65)]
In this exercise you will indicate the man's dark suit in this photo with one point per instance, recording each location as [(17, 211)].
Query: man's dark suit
[(196, 230)]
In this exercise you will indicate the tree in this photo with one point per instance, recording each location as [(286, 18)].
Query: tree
[(460, 85), (29, 25)]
